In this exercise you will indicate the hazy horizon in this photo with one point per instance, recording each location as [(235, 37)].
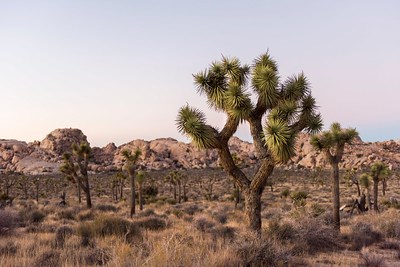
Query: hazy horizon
[(120, 71)]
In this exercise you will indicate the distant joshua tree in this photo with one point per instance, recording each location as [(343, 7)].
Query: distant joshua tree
[(378, 171), (131, 166), (289, 107), (365, 181), (140, 179), (75, 167), (332, 143)]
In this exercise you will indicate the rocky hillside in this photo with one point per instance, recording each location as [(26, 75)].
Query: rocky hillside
[(46, 156)]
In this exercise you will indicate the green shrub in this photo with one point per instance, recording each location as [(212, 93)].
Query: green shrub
[(299, 198), (36, 216)]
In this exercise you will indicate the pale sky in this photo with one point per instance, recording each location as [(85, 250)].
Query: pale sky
[(120, 70)]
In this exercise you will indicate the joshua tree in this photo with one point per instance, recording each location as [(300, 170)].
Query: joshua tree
[(75, 167), (365, 181), (332, 144), (140, 179), (37, 183), (378, 171), (24, 184), (118, 184), (351, 178), (131, 166), (290, 108), (8, 180)]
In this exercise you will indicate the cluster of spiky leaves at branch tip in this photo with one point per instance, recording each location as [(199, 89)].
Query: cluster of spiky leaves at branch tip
[(333, 141), (131, 158), (230, 86)]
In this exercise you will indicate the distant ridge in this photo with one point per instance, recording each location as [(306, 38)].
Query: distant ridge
[(164, 153)]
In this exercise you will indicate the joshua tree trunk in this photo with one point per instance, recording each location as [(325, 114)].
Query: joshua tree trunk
[(37, 192), (179, 192), (133, 196), (140, 197), (175, 191), (79, 193), (384, 185), (253, 209), (237, 194), (87, 192), (335, 195), (184, 193), (358, 189), (376, 181), (368, 198)]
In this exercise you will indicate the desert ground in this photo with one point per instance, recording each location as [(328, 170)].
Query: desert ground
[(207, 227)]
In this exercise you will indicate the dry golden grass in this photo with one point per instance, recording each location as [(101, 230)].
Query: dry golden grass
[(199, 232)]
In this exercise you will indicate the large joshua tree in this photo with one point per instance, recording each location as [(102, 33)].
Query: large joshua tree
[(131, 166), (76, 168), (332, 143), (378, 171), (231, 87)]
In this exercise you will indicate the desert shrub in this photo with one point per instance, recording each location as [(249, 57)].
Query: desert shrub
[(314, 236), (97, 256), (281, 231), (191, 209), (316, 210), (224, 258), (62, 233), (255, 251), (86, 215), (389, 244), (48, 259), (299, 198), (285, 193), (85, 233), (108, 225), (220, 216), (362, 234), (203, 223), (8, 221), (150, 191), (67, 214), (106, 207), (146, 213), (223, 231), (36, 216), (8, 249), (370, 259), (151, 223), (390, 228)]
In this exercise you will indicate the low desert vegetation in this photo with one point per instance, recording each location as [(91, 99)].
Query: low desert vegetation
[(298, 229)]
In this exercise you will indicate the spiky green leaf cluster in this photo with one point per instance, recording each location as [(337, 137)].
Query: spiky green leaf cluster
[(379, 169), (280, 140), (192, 123), (265, 80), (336, 136), (365, 180)]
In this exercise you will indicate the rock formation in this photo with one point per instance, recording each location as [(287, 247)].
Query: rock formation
[(163, 153)]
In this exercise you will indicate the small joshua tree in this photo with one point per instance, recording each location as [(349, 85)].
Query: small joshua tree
[(75, 167), (332, 143), (378, 171), (140, 179), (289, 107), (351, 177), (365, 181), (131, 160)]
